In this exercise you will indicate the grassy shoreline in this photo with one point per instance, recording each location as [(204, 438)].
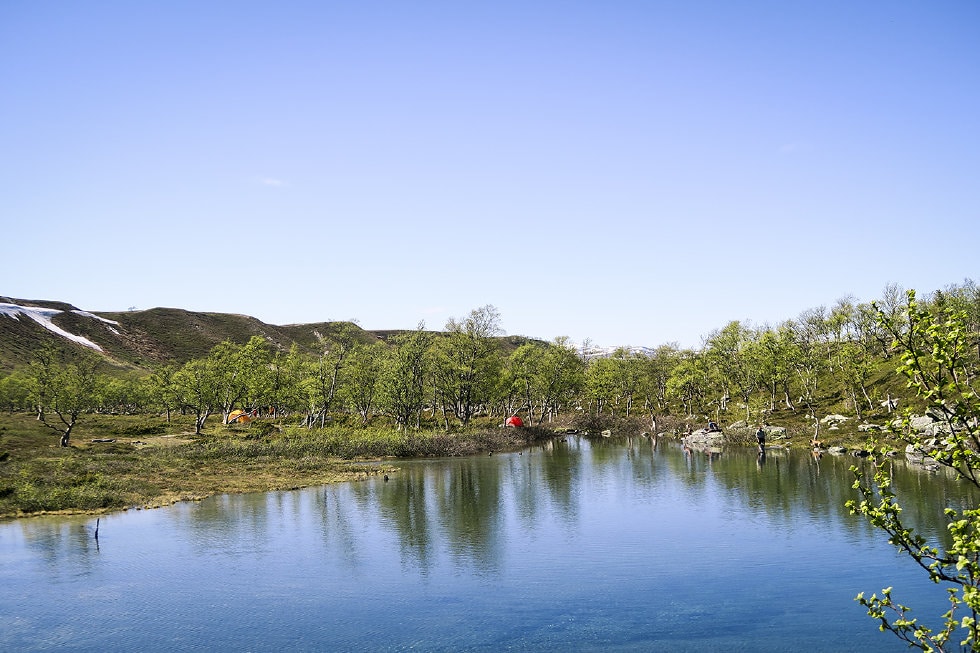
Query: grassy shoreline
[(122, 462), (119, 463)]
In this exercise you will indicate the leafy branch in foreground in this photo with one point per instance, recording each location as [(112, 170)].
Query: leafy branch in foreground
[(938, 352)]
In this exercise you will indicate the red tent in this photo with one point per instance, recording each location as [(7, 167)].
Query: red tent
[(514, 420)]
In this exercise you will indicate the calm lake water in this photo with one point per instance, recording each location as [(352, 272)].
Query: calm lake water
[(609, 545)]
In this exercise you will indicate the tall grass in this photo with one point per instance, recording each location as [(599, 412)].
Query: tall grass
[(67, 484), (349, 443)]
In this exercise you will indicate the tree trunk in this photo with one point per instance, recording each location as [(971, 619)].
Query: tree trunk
[(66, 435), (857, 405), (871, 404)]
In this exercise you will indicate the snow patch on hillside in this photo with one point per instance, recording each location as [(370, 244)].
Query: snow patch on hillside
[(43, 316), (94, 317)]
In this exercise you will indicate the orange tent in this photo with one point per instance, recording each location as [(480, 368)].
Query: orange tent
[(239, 416), (514, 420)]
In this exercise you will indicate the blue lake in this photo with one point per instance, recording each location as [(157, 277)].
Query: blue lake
[(607, 545)]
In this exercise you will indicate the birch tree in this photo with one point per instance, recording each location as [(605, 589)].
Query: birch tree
[(69, 390), (324, 381), (940, 362), (197, 387), (363, 378), (560, 377), (402, 384), (468, 361)]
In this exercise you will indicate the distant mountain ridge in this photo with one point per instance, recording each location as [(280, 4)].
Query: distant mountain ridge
[(141, 340)]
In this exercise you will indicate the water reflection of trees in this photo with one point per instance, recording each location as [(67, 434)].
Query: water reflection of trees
[(232, 524), (472, 509), (457, 503), (788, 482), (404, 505), (59, 540), (465, 504), (785, 485), (546, 481)]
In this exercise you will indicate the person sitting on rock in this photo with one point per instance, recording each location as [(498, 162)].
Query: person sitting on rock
[(712, 426)]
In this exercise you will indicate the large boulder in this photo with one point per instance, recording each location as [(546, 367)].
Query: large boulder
[(916, 456), (921, 423), (704, 437), (775, 432)]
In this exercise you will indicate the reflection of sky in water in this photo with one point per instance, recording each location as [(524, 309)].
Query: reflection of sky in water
[(573, 546)]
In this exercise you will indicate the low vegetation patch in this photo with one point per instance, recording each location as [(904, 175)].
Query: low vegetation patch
[(119, 462)]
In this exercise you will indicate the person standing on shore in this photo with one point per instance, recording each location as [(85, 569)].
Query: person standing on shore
[(760, 435)]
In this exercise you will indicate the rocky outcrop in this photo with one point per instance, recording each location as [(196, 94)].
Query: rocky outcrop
[(833, 422), (775, 432), (705, 438), (921, 423), (916, 456)]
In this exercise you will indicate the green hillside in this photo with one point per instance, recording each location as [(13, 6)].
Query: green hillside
[(141, 340)]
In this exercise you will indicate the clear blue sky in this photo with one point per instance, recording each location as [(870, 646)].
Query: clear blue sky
[(627, 172)]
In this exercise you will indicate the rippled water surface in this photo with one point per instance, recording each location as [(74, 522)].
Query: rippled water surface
[(609, 545)]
